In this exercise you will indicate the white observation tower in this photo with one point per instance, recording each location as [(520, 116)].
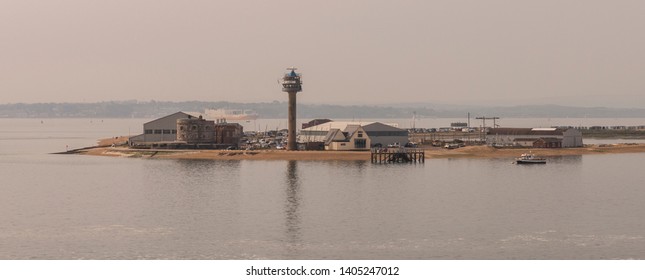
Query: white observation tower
[(292, 84)]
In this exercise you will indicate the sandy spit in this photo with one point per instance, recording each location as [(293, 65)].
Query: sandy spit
[(464, 152)]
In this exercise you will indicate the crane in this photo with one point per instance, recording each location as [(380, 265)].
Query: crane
[(483, 130), (487, 118)]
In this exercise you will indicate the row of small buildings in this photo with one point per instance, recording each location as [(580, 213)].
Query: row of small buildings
[(351, 136), (182, 130), (361, 136)]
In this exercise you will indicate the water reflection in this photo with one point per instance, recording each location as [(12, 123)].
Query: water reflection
[(203, 168), (573, 159), (360, 166), (175, 191), (292, 204)]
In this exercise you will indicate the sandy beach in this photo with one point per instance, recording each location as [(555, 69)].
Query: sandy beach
[(430, 152)]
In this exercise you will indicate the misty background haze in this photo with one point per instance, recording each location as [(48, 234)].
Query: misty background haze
[(496, 53)]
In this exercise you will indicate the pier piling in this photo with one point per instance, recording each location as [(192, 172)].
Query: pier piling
[(397, 155)]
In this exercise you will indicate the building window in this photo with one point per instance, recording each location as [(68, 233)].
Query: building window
[(174, 131), (360, 143), (360, 134), (166, 131), (148, 131), (158, 131)]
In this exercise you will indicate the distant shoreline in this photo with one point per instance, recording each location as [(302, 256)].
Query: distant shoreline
[(431, 153), (155, 109)]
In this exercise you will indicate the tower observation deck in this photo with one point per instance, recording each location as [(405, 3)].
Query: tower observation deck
[(291, 81), (292, 84)]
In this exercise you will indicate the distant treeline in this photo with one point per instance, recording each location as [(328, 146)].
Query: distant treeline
[(269, 110), (627, 133)]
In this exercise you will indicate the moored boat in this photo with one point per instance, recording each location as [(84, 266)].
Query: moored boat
[(529, 158)]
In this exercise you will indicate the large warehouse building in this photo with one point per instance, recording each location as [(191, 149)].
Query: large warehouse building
[(535, 137), (160, 130), (181, 130)]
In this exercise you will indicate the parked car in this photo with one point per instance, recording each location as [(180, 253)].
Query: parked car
[(410, 145), (451, 146)]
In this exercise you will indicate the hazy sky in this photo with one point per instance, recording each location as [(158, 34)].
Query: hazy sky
[(579, 53)]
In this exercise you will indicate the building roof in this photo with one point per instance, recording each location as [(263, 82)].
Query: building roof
[(332, 135), (341, 125), (178, 115), (377, 126), (314, 122), (350, 130)]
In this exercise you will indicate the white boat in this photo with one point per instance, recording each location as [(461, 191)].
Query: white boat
[(529, 158), (230, 114)]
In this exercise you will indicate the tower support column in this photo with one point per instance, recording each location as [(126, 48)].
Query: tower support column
[(291, 140)]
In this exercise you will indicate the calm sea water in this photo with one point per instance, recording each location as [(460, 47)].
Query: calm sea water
[(83, 207)]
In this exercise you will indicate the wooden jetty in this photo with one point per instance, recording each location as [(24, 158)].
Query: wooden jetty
[(397, 155)]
